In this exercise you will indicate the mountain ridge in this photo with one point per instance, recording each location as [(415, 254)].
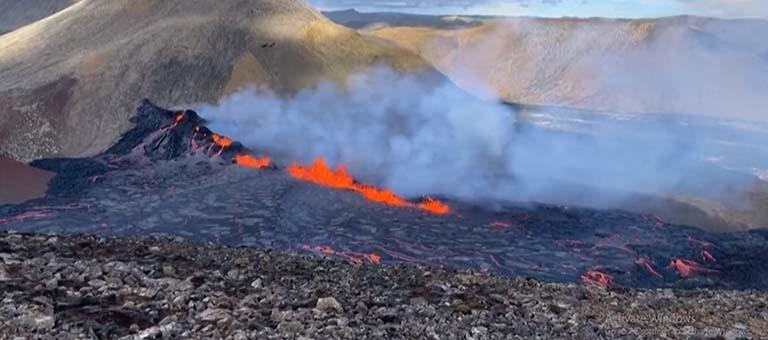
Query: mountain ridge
[(70, 81)]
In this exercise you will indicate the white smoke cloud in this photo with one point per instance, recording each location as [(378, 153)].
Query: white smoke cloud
[(419, 138)]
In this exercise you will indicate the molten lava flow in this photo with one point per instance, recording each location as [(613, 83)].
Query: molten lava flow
[(686, 268), (221, 141), (319, 173), (647, 265), (382, 196), (356, 258), (179, 117), (596, 278), (249, 161), (434, 206)]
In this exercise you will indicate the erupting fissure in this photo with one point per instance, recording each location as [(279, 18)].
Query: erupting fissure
[(249, 161), (319, 173)]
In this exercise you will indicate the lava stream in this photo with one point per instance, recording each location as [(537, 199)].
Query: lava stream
[(434, 206), (249, 161), (596, 278), (686, 268), (319, 173), (354, 257), (221, 141)]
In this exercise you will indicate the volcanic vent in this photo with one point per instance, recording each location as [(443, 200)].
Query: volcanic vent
[(171, 175)]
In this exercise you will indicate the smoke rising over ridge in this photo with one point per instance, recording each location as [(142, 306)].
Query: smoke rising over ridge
[(418, 138)]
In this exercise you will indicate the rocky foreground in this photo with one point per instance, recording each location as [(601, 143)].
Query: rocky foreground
[(87, 287)]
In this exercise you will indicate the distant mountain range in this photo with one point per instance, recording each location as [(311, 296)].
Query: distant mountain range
[(684, 64)]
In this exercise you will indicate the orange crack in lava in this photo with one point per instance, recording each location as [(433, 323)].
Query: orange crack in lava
[(500, 224), (382, 196), (179, 117), (686, 268), (595, 278), (434, 206), (647, 264), (319, 173), (221, 141), (249, 161), (356, 258)]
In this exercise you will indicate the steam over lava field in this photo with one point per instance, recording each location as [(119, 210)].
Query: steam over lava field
[(170, 175), (374, 145)]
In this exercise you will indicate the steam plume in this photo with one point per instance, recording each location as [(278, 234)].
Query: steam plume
[(418, 138)]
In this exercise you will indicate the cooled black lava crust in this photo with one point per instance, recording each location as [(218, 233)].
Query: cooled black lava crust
[(166, 176)]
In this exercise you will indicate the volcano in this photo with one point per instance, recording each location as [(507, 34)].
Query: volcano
[(170, 175), (70, 81)]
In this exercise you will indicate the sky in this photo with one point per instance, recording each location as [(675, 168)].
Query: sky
[(559, 8)]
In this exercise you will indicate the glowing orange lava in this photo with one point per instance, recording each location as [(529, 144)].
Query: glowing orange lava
[(319, 173), (382, 196), (221, 141), (648, 265), (249, 161), (596, 278), (354, 257), (179, 117), (434, 206), (686, 268)]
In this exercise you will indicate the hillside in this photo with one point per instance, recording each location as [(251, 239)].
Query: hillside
[(69, 82), (680, 64)]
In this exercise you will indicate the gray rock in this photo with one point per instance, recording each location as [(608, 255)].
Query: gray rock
[(39, 321), (290, 327), (329, 305), (97, 283), (214, 314), (4, 274)]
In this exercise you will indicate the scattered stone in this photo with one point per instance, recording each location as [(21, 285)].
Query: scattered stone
[(256, 284), (290, 327), (329, 305), (214, 314), (120, 291), (169, 271)]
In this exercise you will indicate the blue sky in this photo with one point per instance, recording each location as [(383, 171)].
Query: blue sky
[(558, 8)]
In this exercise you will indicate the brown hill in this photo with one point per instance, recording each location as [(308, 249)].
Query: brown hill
[(680, 64), (69, 82)]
